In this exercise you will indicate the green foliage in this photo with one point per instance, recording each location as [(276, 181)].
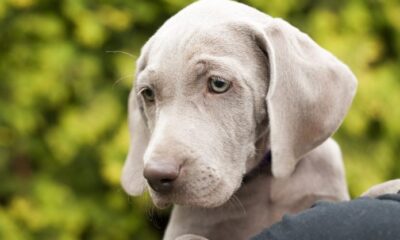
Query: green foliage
[(63, 130)]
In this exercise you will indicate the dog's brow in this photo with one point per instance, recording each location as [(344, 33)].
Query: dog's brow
[(220, 65), (200, 67), (145, 76), (140, 83), (205, 64)]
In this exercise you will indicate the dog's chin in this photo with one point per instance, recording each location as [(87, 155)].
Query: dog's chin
[(213, 198), (161, 202)]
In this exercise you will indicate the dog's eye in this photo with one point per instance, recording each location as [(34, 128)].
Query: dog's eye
[(218, 84), (148, 94)]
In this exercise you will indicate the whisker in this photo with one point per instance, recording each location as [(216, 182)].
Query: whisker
[(150, 212), (130, 55), (259, 149), (120, 79), (238, 204), (153, 213), (232, 202)]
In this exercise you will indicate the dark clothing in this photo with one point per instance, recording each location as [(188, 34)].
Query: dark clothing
[(359, 219)]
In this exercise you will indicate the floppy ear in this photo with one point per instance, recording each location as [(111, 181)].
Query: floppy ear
[(132, 178), (309, 93)]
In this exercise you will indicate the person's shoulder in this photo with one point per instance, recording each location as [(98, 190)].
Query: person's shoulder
[(391, 197), (364, 218)]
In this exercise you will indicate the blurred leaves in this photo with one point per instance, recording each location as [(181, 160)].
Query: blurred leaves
[(63, 130), (66, 69)]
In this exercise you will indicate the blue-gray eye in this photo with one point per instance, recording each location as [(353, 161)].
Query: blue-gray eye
[(218, 84), (148, 94)]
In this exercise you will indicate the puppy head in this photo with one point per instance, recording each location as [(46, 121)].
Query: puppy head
[(209, 83)]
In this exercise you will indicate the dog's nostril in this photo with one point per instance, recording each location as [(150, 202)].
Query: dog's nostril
[(161, 186), (166, 180), (161, 176)]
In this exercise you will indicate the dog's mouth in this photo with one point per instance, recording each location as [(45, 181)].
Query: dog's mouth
[(207, 195)]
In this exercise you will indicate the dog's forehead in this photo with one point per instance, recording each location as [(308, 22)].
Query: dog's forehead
[(186, 45), (202, 26)]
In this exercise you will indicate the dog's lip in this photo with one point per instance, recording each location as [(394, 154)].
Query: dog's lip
[(162, 203), (163, 200)]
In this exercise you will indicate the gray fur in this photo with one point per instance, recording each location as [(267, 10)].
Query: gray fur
[(389, 187), (288, 95)]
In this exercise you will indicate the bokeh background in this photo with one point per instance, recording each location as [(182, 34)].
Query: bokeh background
[(64, 83)]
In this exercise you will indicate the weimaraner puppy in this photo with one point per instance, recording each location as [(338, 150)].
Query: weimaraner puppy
[(231, 118)]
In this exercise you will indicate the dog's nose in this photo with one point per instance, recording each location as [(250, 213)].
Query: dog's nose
[(161, 176)]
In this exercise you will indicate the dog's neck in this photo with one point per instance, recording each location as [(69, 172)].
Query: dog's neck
[(263, 166)]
